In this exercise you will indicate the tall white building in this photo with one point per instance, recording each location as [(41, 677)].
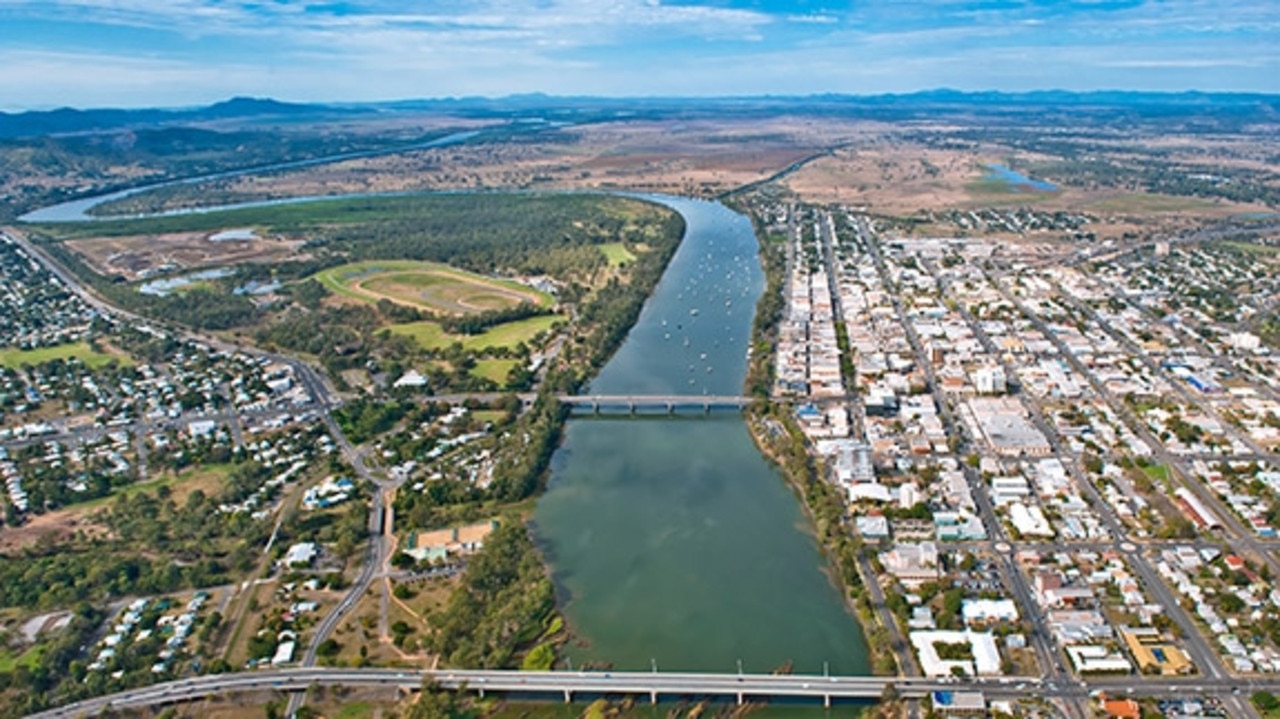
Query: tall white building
[(990, 380)]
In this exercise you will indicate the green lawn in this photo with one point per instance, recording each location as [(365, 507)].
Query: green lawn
[(617, 254), (355, 710), (431, 336), (1157, 472), (14, 358), (29, 658), (495, 370)]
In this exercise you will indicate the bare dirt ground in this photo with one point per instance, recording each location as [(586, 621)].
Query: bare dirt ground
[(130, 257), (62, 525), (890, 177), (896, 178), (54, 528)]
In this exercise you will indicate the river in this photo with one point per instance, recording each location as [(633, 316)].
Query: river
[(671, 540)]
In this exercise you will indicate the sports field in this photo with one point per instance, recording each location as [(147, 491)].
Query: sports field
[(494, 369), (428, 285), (14, 358)]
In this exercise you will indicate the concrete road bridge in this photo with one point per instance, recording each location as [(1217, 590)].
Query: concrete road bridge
[(562, 685), (668, 403)]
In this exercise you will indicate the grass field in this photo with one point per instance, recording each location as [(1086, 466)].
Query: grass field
[(29, 658), (431, 336), (428, 285), (15, 358), (356, 710), (617, 254), (1157, 472), (495, 370), (489, 415), (207, 478), (1264, 251), (1144, 202)]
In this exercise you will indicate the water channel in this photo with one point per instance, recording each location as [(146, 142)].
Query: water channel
[(672, 541)]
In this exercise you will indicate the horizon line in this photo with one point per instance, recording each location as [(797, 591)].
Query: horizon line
[(336, 103)]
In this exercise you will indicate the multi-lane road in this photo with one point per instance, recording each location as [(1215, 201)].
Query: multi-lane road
[(653, 686), (565, 685)]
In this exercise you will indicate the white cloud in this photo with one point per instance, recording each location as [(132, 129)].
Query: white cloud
[(402, 48)]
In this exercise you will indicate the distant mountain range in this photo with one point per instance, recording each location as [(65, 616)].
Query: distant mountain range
[(262, 110), (67, 120)]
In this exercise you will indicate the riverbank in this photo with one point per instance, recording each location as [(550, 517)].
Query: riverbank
[(781, 442), (672, 541)]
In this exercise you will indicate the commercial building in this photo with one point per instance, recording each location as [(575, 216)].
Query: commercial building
[(1097, 659), (990, 380), (912, 564), (1003, 423), (982, 611), (982, 647), (1153, 653)]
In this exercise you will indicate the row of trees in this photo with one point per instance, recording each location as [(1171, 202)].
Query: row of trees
[(476, 323)]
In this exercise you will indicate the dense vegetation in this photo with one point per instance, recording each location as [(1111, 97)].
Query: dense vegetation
[(505, 601), (24, 690), (188, 545)]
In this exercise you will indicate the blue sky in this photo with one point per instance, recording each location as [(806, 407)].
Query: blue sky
[(93, 53)]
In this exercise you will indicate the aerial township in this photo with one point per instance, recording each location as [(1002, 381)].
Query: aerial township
[(1056, 455)]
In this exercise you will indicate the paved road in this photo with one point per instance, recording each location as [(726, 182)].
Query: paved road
[(736, 687), (567, 684), (1205, 658), (1041, 643)]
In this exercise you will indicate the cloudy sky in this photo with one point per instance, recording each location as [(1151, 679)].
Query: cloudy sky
[(91, 53)]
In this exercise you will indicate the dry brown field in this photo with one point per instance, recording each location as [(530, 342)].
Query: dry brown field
[(130, 257)]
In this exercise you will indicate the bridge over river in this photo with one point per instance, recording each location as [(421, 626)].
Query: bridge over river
[(561, 685), (669, 403)]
